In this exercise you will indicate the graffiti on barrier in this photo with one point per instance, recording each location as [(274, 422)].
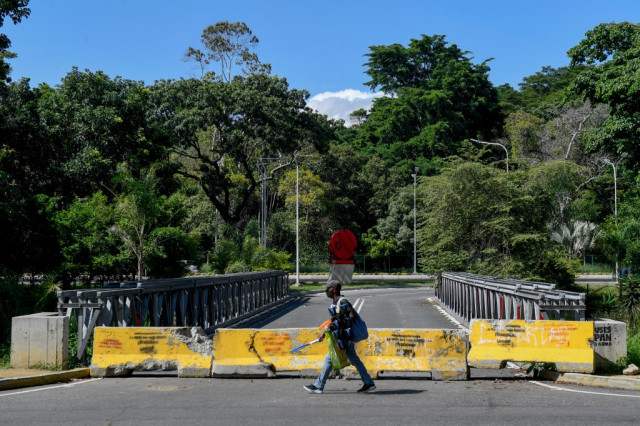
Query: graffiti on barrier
[(602, 336), (275, 344), (536, 335)]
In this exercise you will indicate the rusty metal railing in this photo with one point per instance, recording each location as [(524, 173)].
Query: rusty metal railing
[(208, 302)]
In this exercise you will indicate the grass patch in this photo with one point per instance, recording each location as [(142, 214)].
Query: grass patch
[(5, 356)]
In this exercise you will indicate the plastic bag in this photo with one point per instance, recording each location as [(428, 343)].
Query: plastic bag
[(338, 355), (359, 330)]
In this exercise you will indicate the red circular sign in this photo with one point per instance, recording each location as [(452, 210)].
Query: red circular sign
[(343, 244)]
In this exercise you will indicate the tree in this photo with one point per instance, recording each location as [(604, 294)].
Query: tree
[(16, 10), (218, 131), (94, 123), (480, 219), (437, 98), (148, 225), (612, 52), (228, 44), (88, 247)]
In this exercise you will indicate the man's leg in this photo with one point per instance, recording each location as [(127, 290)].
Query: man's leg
[(354, 359), (324, 374)]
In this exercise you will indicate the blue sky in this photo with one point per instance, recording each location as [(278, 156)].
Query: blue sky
[(318, 46)]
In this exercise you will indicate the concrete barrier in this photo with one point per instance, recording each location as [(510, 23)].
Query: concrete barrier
[(118, 351), (263, 353), (568, 344), (41, 338), (609, 344)]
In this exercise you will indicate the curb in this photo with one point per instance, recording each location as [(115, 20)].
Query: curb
[(590, 380), (43, 379)]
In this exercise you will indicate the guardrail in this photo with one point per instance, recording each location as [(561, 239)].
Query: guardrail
[(472, 296), (207, 302)]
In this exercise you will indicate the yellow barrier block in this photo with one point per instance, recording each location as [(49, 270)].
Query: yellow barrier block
[(242, 352), (118, 351), (565, 343), (441, 352)]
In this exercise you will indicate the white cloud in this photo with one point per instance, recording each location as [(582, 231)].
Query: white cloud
[(341, 104)]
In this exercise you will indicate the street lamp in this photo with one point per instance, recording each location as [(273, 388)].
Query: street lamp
[(496, 143), (415, 233), (295, 158), (615, 200)]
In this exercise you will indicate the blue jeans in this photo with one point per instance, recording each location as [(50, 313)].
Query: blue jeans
[(353, 359)]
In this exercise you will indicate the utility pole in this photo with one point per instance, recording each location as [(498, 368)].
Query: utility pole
[(262, 165), (415, 222)]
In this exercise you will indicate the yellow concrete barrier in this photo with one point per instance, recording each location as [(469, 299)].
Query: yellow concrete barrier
[(118, 351), (252, 352), (565, 343)]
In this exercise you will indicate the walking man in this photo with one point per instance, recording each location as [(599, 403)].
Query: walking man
[(341, 316)]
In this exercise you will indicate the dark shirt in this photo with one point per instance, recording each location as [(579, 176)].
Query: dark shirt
[(341, 320)]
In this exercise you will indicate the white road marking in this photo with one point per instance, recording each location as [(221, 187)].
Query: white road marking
[(447, 314), (358, 304), (68, 385), (581, 391)]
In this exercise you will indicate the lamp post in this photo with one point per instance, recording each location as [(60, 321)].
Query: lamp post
[(498, 144), (615, 203), (415, 233), (295, 158)]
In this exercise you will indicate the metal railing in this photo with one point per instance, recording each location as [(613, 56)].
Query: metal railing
[(207, 302), (472, 296)]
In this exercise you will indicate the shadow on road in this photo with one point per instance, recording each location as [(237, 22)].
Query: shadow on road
[(273, 315), (397, 392)]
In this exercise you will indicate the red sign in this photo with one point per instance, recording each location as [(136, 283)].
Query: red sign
[(343, 244)]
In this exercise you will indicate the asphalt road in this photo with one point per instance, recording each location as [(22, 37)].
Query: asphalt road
[(165, 400), (390, 307)]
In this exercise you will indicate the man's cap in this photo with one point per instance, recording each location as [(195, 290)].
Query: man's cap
[(334, 284)]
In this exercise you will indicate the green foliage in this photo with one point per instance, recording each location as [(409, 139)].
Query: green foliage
[(537, 367), (633, 348), (228, 44), (612, 51), (376, 246), (19, 299), (16, 10), (522, 129), (219, 130), (479, 219), (148, 225), (439, 98), (252, 257)]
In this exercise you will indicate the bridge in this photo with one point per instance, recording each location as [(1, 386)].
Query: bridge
[(218, 304), (490, 396)]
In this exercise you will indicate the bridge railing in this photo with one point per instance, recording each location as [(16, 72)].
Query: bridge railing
[(472, 296), (208, 302)]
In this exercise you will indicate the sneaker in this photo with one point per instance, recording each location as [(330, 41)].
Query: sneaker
[(314, 389), (366, 388)]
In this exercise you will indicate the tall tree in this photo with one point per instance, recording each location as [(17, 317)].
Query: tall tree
[(613, 53), (16, 10), (437, 98), (94, 123), (219, 130), (228, 44)]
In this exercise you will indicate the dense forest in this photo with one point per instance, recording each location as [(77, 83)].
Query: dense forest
[(106, 178)]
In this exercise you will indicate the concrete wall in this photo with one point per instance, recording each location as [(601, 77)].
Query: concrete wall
[(41, 338)]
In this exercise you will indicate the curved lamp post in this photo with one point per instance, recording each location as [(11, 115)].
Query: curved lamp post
[(615, 201), (496, 143)]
